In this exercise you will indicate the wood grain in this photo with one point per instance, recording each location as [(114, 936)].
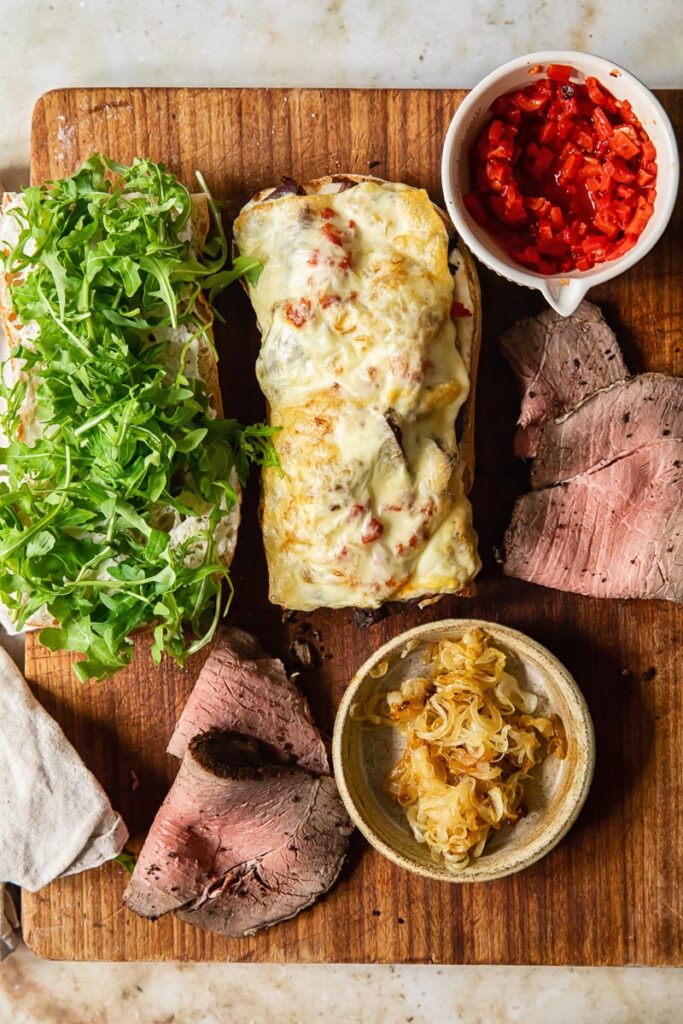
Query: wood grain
[(611, 893)]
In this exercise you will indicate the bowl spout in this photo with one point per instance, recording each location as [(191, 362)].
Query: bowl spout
[(564, 294)]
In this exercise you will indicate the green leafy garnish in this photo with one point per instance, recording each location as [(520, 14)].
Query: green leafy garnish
[(128, 447), (127, 861)]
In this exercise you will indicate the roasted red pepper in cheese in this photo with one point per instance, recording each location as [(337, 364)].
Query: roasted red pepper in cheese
[(564, 175)]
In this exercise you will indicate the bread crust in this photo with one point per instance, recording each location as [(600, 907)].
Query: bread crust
[(466, 417)]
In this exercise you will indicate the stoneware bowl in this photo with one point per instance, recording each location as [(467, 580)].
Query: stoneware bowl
[(566, 292), (363, 754)]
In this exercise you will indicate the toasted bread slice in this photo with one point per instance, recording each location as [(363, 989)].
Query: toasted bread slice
[(468, 341)]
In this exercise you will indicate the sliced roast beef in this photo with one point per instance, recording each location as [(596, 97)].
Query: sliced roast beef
[(611, 532), (237, 845), (559, 361), (611, 422), (242, 689)]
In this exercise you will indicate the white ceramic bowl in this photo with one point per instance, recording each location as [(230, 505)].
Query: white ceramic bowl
[(363, 755), (563, 293)]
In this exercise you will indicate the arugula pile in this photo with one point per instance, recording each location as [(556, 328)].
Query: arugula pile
[(103, 266)]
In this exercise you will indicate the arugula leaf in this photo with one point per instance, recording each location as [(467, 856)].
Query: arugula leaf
[(129, 448), (127, 861)]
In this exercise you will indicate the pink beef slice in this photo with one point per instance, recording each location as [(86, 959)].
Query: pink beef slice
[(242, 689), (236, 848), (558, 361), (612, 532), (608, 424)]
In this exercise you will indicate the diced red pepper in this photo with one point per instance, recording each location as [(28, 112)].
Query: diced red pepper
[(564, 174), (373, 531), (624, 144), (559, 72), (595, 93), (297, 314), (547, 132), (331, 234), (529, 102), (606, 222), (617, 169), (564, 128), (602, 125), (640, 218), (538, 204), (556, 218), (570, 168), (458, 309), (584, 139)]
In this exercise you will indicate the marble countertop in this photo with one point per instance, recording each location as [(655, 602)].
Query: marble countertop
[(337, 43)]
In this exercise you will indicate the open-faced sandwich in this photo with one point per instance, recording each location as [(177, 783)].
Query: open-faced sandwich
[(120, 482), (369, 312)]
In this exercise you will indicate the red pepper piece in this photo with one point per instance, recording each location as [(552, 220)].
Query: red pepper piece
[(331, 234), (560, 72), (617, 169), (495, 132), (297, 315), (372, 532), (602, 126), (644, 178), (622, 211), (606, 222), (509, 209), (626, 193), (547, 132), (538, 205), (595, 93), (529, 100), (624, 142), (640, 218), (570, 106), (564, 128), (556, 218), (627, 114), (570, 168), (458, 309), (584, 139), (552, 247), (622, 247), (545, 231)]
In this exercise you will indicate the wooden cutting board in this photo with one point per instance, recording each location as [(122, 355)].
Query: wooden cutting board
[(612, 892)]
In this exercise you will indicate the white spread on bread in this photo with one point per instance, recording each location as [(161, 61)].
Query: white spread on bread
[(361, 366)]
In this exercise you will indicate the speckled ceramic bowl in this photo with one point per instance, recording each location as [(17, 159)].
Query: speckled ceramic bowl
[(364, 754)]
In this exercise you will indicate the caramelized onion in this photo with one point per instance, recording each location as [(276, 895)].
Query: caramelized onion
[(472, 739)]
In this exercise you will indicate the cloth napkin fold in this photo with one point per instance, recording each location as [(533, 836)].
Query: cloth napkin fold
[(55, 818)]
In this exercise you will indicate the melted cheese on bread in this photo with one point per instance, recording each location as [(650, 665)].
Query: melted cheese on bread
[(360, 365)]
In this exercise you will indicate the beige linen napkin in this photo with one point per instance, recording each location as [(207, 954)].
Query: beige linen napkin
[(55, 818)]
